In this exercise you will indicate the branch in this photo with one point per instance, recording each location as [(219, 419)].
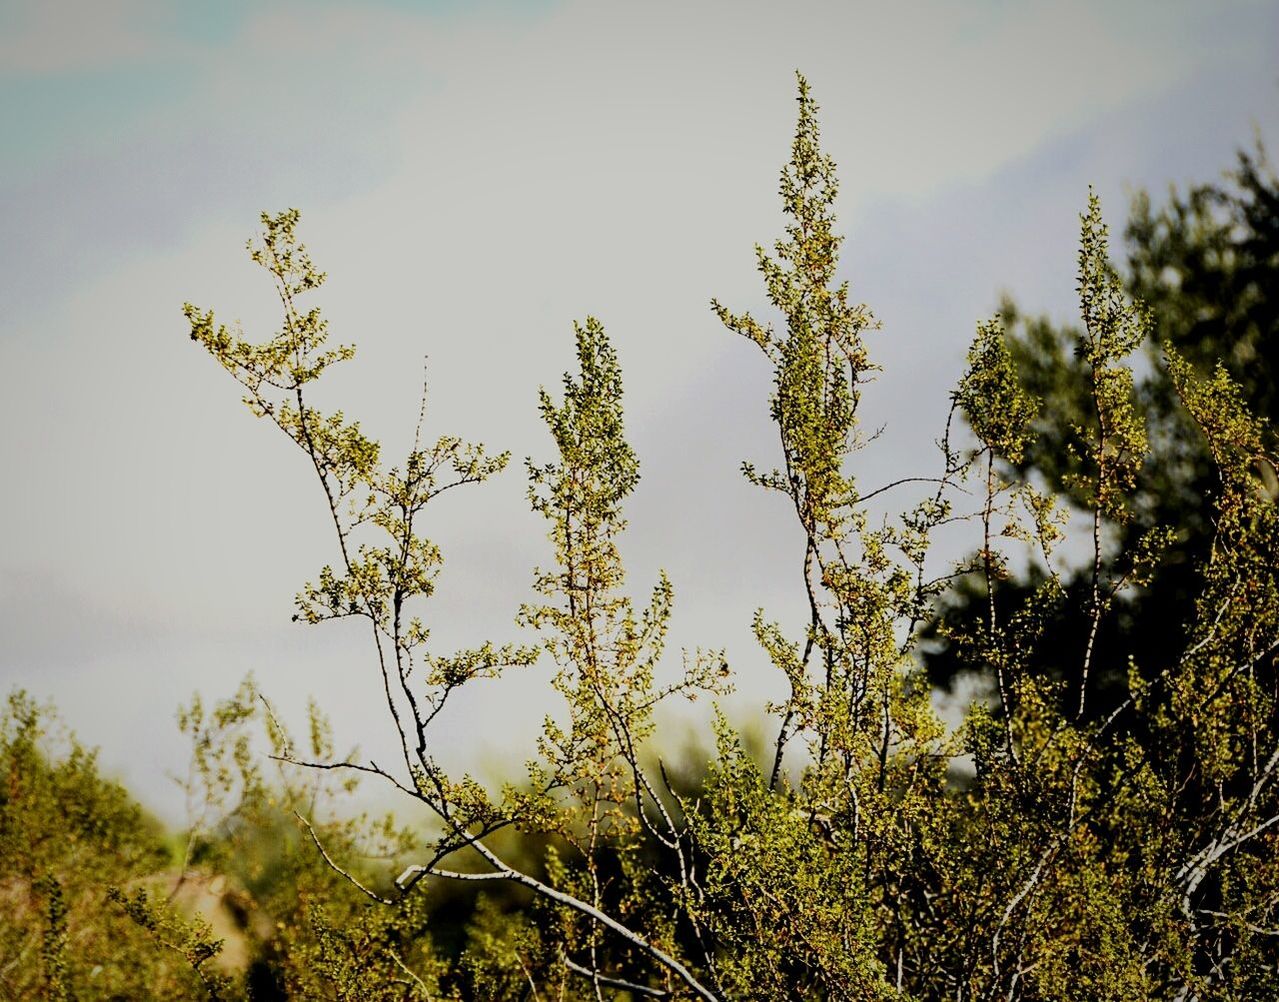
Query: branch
[(897, 483), (337, 869), (501, 871), (607, 982), (405, 968)]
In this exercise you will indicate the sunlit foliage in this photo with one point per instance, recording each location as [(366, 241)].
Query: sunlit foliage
[(1046, 848)]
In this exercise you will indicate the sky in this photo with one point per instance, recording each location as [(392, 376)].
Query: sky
[(475, 176)]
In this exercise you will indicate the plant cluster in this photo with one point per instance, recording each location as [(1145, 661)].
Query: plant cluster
[(1054, 845)]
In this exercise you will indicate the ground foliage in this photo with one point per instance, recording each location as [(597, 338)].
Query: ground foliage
[(1097, 849), (68, 837)]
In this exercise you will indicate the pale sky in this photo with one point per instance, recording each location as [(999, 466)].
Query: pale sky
[(474, 177)]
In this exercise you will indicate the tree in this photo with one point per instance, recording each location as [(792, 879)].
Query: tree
[(1097, 851), (1206, 264)]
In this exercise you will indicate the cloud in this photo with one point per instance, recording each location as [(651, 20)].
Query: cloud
[(70, 36), (473, 183)]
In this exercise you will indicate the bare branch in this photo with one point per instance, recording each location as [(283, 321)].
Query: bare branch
[(608, 982), (337, 869)]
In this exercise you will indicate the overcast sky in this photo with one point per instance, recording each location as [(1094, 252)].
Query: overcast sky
[(474, 177)]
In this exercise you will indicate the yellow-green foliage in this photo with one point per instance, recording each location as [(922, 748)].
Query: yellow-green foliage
[(68, 837), (1081, 857), (1043, 850)]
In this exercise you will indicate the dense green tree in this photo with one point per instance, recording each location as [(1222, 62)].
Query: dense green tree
[(1206, 264)]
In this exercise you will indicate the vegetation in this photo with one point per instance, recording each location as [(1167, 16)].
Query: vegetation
[(1206, 264), (66, 837), (1115, 832)]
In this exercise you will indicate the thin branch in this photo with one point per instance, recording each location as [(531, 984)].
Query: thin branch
[(858, 499), (607, 982), (405, 968), (337, 869), (502, 871)]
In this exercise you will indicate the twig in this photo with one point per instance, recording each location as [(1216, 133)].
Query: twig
[(607, 982), (337, 869)]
